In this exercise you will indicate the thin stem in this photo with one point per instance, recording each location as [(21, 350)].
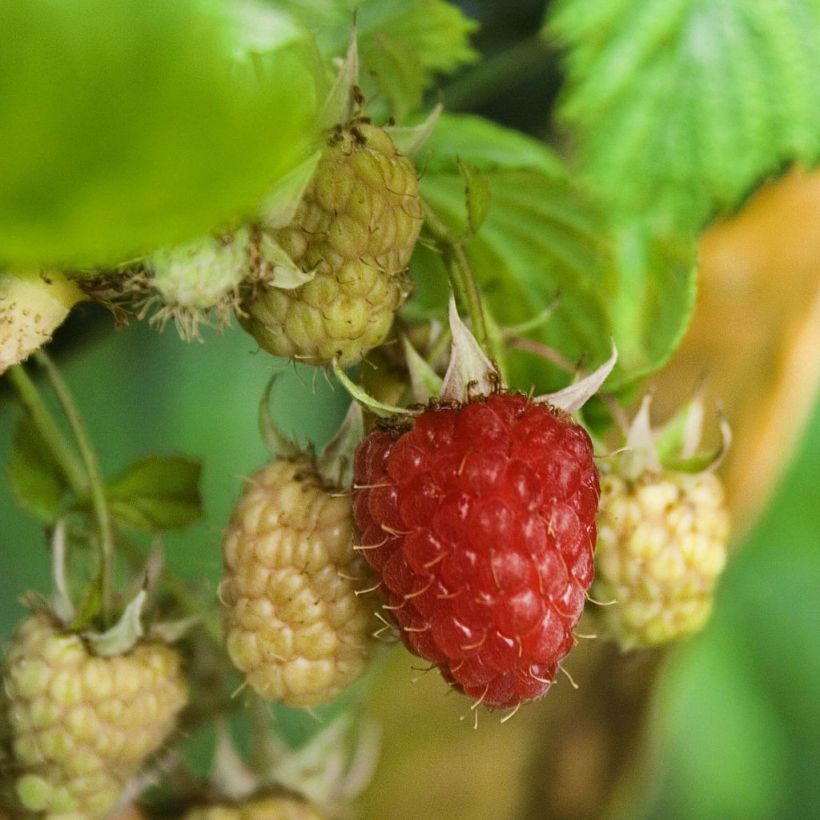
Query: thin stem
[(462, 271), (262, 755), (545, 352), (95, 480), (51, 434), (463, 281)]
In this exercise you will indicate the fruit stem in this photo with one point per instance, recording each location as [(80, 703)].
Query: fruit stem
[(262, 755), (464, 284), (95, 482), (51, 434)]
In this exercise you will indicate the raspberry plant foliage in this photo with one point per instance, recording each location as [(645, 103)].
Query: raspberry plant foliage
[(332, 208)]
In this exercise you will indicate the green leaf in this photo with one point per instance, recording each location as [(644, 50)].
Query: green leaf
[(398, 73), (403, 44), (34, 476), (650, 290), (681, 107), (129, 124), (538, 238), (437, 31), (487, 147), (157, 493), (543, 237)]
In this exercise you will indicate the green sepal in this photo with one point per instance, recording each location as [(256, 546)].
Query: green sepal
[(335, 462), (384, 411), (277, 443), (425, 381), (123, 636)]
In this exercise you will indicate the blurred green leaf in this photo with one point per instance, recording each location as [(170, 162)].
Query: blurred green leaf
[(681, 107), (542, 237), (650, 290), (398, 73), (127, 124), (157, 493), (736, 767), (34, 476), (403, 44), (487, 147)]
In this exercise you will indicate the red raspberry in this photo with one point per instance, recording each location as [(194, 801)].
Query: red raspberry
[(480, 521)]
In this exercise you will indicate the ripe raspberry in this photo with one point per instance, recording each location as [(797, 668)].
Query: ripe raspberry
[(480, 521), (293, 621), (356, 226), (81, 726), (32, 307), (271, 807), (661, 549)]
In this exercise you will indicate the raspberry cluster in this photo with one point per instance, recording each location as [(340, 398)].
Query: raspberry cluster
[(480, 521)]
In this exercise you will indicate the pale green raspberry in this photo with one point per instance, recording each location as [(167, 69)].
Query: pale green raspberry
[(294, 623), (200, 274), (80, 726), (662, 544), (197, 283), (355, 227)]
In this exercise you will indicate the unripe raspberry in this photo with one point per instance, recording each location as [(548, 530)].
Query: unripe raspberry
[(200, 274), (355, 226), (272, 807), (294, 623), (32, 307), (198, 281), (81, 726), (661, 547)]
